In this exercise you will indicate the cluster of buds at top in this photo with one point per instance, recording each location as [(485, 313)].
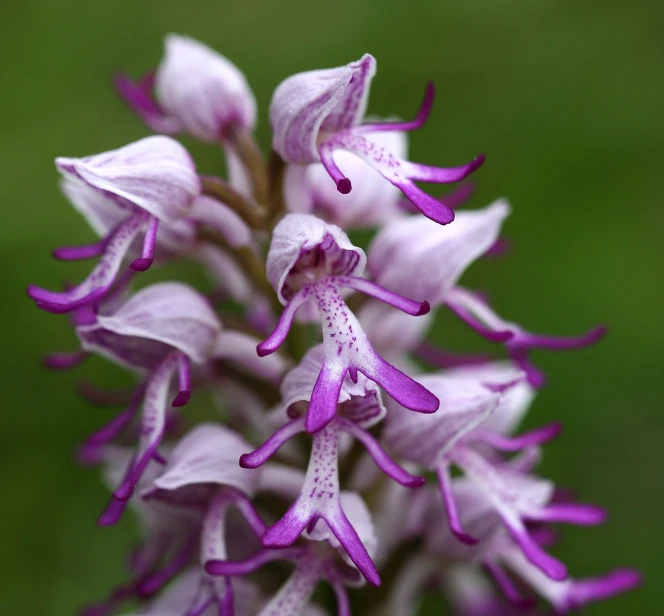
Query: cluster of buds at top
[(310, 345)]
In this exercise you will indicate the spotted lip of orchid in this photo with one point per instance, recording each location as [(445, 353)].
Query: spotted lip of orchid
[(372, 202), (320, 498), (155, 180), (311, 261), (313, 562), (316, 113)]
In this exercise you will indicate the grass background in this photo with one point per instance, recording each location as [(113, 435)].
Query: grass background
[(565, 97)]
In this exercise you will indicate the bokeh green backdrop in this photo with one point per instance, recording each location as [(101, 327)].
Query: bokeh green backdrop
[(566, 97)]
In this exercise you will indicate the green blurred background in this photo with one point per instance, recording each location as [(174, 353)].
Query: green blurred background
[(565, 97)]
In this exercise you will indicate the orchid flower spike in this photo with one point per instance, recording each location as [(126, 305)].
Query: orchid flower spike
[(311, 261), (360, 407), (152, 181), (315, 561), (400, 259), (317, 113), (196, 90)]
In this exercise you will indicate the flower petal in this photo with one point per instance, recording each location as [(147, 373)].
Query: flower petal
[(306, 103), (418, 258), (202, 89), (208, 454), (169, 312), (302, 235), (155, 174)]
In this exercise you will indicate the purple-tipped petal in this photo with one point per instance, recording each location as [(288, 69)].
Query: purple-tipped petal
[(277, 337), (485, 332), (184, 382), (351, 542), (453, 519), (386, 464), (147, 256), (152, 425), (261, 455), (249, 565), (549, 565), (588, 590), (359, 400), (80, 253), (408, 306), (571, 513), (400, 173), (113, 512), (529, 439), (287, 530), (406, 391), (420, 119), (102, 276), (555, 343), (138, 96)]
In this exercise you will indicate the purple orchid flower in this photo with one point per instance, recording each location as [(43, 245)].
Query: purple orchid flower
[(170, 537), (152, 181), (455, 567), (184, 507), (566, 595), (458, 437), (400, 258), (314, 561), (317, 113), (157, 332), (196, 90), (360, 407), (310, 260)]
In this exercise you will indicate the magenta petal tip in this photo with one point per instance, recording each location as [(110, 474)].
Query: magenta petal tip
[(181, 399), (476, 163), (246, 461), (465, 538), (112, 513), (142, 264), (213, 567), (344, 186), (425, 308)]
